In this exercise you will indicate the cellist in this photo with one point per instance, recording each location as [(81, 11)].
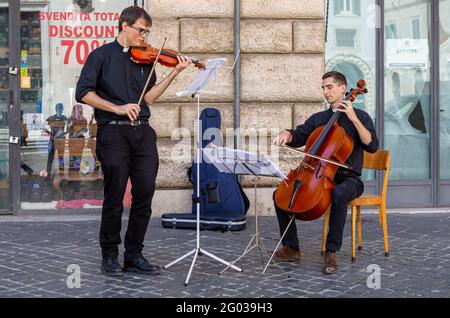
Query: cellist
[(357, 125)]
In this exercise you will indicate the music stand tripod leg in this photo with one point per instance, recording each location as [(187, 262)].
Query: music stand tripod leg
[(220, 260), (279, 242), (247, 250), (192, 267), (261, 249), (202, 251), (255, 237), (180, 258), (258, 241)]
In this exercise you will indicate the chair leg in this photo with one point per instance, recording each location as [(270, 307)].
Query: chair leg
[(353, 232), (326, 219), (382, 212), (358, 221)]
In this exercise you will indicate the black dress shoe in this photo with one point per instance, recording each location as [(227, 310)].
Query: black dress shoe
[(110, 266), (140, 265)]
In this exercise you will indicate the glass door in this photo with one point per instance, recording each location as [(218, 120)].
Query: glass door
[(407, 107)]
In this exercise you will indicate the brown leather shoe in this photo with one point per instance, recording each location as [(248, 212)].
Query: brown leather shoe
[(286, 254), (329, 263)]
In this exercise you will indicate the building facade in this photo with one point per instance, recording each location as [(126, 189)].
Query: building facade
[(276, 52)]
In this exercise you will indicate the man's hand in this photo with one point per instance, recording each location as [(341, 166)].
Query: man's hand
[(283, 138), (364, 133), (157, 90), (183, 62), (346, 107), (131, 110)]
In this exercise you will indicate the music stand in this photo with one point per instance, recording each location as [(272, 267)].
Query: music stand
[(243, 163), (202, 79)]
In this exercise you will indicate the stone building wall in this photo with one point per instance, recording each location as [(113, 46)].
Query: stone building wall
[(282, 60)]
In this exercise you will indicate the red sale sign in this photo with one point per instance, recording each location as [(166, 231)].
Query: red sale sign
[(80, 33), (82, 49), (69, 33)]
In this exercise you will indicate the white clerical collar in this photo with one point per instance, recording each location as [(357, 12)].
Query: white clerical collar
[(124, 49)]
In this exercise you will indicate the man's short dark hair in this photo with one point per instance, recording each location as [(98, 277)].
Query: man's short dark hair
[(131, 14), (337, 76)]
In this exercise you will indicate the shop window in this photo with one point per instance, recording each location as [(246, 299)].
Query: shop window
[(59, 167)]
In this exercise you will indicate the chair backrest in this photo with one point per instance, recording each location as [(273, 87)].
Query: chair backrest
[(379, 160)]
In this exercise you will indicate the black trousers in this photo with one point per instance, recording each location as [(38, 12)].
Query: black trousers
[(347, 189), (126, 152)]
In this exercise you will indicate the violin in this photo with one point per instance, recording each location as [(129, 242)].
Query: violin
[(307, 190), (147, 54)]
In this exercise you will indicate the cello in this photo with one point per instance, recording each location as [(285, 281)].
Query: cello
[(307, 190)]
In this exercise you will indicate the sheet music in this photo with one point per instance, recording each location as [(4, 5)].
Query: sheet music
[(203, 77), (240, 162)]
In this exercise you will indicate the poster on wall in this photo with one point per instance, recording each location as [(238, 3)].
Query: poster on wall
[(74, 29), (407, 53)]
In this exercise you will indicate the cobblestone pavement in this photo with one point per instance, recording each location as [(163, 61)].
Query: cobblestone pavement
[(35, 256)]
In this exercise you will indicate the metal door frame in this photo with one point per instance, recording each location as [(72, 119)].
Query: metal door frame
[(14, 107)]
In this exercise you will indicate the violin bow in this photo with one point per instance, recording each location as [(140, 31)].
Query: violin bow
[(151, 72), (317, 157)]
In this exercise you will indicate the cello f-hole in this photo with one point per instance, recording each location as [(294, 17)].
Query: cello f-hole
[(319, 171)]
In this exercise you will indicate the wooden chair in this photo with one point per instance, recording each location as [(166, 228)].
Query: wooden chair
[(377, 161)]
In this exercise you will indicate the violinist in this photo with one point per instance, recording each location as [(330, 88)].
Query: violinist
[(126, 144), (359, 127)]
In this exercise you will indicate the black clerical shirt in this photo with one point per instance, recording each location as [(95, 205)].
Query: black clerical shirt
[(110, 73), (301, 133)]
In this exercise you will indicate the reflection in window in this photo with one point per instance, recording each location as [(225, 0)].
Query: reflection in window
[(415, 28), (391, 31), (407, 98), (359, 62), (348, 7), (353, 74), (419, 79), (345, 38), (396, 84), (85, 5)]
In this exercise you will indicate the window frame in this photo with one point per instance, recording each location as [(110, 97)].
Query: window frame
[(413, 19), (355, 37), (348, 8)]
